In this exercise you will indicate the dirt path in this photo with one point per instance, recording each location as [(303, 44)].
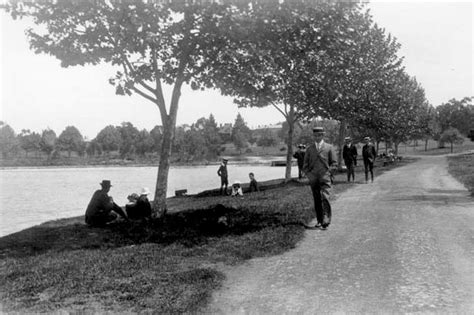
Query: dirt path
[(402, 244)]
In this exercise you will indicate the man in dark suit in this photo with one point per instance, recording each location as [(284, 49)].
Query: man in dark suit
[(222, 172), (368, 155), (349, 154), (318, 161)]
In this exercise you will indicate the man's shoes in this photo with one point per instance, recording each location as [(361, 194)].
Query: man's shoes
[(313, 224), (323, 227)]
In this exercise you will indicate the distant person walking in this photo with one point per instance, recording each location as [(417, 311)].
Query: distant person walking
[(349, 154), (299, 156), (368, 155), (318, 161), (102, 208), (222, 172)]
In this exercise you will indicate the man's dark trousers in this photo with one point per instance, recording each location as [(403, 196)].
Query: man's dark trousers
[(369, 167), (321, 192), (350, 169)]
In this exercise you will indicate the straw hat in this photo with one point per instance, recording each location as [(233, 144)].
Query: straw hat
[(145, 191), (318, 130)]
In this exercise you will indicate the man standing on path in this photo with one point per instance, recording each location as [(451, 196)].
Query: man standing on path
[(349, 154), (222, 172), (318, 161), (299, 156), (368, 154)]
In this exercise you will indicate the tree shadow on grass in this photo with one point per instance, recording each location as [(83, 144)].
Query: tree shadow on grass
[(189, 228)]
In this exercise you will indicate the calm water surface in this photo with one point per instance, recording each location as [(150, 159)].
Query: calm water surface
[(30, 196)]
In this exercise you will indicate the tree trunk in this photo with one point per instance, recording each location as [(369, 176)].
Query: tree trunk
[(169, 125), (451, 147), (340, 142), (289, 142), (426, 144), (159, 202)]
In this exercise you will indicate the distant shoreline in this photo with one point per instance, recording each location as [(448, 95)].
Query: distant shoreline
[(249, 160)]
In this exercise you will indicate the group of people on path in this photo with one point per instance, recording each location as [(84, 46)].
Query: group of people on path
[(349, 155), (102, 209), (237, 185), (318, 163)]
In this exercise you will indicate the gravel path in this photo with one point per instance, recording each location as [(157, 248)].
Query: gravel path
[(402, 244)]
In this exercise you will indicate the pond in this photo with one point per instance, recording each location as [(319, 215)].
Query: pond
[(30, 196)]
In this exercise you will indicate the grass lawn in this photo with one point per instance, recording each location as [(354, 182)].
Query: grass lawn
[(170, 266), (462, 167)]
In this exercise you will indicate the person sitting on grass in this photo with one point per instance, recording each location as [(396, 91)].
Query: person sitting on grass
[(237, 189), (139, 206), (253, 183), (102, 209)]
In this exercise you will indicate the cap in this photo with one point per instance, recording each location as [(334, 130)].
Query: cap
[(367, 139), (347, 139), (318, 129)]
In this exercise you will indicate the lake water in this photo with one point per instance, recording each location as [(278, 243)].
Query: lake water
[(30, 196)]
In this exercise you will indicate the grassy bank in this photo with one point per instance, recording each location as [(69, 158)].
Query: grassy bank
[(169, 266), (462, 167)]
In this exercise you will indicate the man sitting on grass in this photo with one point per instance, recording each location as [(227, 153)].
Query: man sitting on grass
[(102, 209), (253, 187)]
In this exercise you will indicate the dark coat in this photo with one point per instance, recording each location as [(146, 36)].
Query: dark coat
[(222, 171), (316, 163), (253, 186), (368, 153), (99, 205), (349, 154), (299, 156)]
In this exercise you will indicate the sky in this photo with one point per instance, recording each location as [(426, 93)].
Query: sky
[(436, 40)]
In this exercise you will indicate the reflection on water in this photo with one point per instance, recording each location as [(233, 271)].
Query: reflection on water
[(31, 196)]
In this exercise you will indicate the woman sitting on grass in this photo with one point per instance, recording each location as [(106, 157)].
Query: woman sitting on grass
[(237, 189), (139, 206)]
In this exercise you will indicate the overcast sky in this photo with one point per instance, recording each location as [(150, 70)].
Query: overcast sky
[(36, 93)]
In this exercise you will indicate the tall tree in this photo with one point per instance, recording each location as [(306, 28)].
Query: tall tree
[(267, 139), (240, 133), (8, 140), (452, 135), (153, 42), (144, 143), (129, 135), (457, 114), (48, 142), (94, 148), (109, 139), (29, 141), (70, 140)]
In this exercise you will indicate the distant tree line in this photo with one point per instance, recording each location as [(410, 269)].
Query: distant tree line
[(202, 140), (447, 123)]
